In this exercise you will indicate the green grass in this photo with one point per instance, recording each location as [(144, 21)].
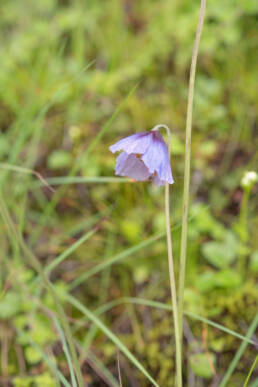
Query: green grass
[(76, 77)]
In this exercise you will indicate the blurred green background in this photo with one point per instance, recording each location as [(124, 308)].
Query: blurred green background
[(76, 76)]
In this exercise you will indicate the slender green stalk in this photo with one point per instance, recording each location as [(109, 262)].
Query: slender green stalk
[(189, 115), (173, 291), (37, 266), (66, 351), (51, 365), (250, 372), (244, 214), (172, 275), (243, 231), (239, 353), (95, 320), (155, 304)]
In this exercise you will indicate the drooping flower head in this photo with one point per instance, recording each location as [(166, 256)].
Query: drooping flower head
[(144, 157)]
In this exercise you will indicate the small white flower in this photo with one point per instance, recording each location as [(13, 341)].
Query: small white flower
[(249, 179)]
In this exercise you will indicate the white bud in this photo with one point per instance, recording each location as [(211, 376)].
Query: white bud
[(249, 179)]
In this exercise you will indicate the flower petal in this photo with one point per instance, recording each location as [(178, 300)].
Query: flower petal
[(158, 182), (156, 159), (131, 166), (137, 143)]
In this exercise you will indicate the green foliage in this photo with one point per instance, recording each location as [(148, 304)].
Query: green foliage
[(45, 380), (32, 355), (69, 71), (59, 159), (221, 254), (10, 305), (223, 279), (201, 364)]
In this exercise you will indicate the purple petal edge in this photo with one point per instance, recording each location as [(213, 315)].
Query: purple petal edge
[(136, 143), (131, 166)]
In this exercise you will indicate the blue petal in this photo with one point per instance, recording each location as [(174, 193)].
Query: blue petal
[(137, 143), (131, 166), (156, 159), (158, 182)]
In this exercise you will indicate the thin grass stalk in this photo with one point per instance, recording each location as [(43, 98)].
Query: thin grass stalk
[(172, 274), (250, 372), (66, 351), (155, 304), (95, 320), (239, 353), (37, 266), (189, 115), (173, 290)]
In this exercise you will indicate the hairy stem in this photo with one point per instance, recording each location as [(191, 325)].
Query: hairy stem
[(189, 115)]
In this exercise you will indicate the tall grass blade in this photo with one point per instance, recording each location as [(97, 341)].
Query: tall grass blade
[(119, 257), (110, 121), (160, 305), (104, 370), (188, 135), (51, 365), (69, 250), (251, 371), (56, 197), (64, 180), (66, 351), (37, 266), (239, 353), (92, 317)]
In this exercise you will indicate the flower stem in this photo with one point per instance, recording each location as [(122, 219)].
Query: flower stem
[(183, 247), (172, 274), (243, 231), (173, 290)]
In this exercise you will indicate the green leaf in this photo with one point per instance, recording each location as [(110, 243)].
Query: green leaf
[(131, 229), (32, 355), (42, 332), (221, 254), (216, 254), (206, 281), (141, 273), (21, 381), (59, 159), (193, 301), (45, 380), (218, 344), (205, 223), (228, 279), (201, 364), (223, 279), (10, 305)]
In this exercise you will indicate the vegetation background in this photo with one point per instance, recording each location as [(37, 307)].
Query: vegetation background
[(76, 76)]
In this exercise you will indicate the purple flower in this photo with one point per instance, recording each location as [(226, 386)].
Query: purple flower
[(145, 156)]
